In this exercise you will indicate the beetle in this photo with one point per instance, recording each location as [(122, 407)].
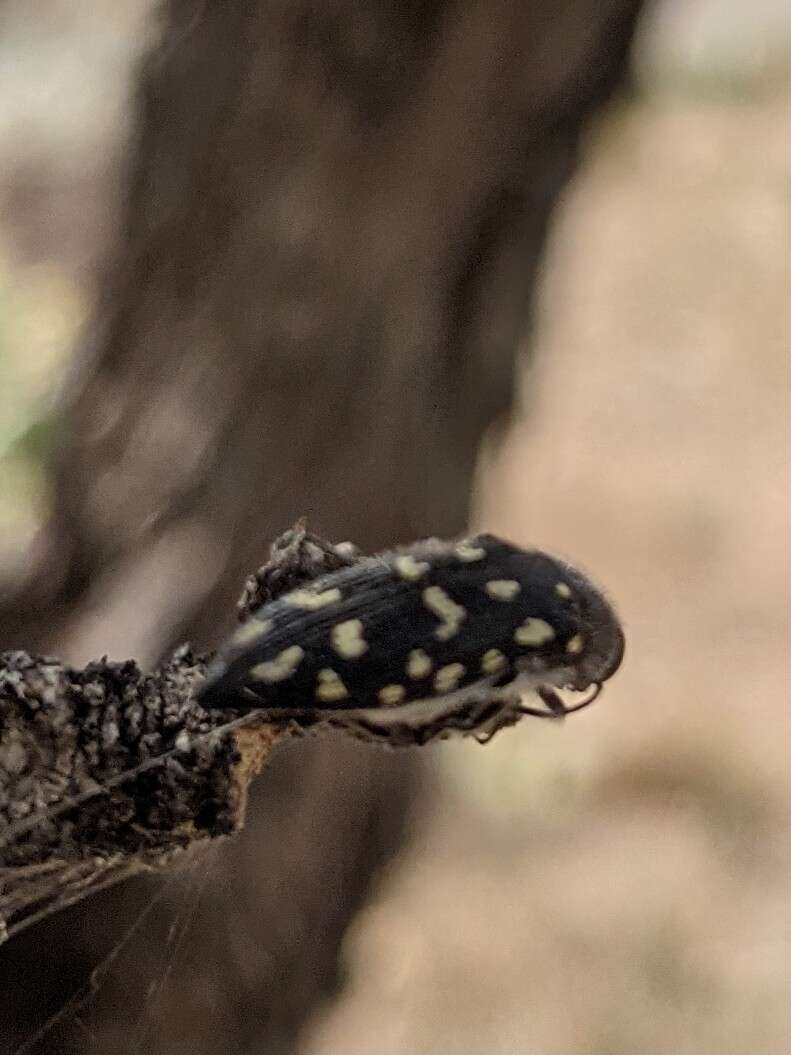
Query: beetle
[(408, 638)]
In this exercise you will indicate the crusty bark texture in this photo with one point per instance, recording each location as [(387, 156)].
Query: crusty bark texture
[(333, 226), (71, 739), (105, 772)]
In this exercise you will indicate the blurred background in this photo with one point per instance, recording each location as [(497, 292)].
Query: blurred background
[(619, 883)]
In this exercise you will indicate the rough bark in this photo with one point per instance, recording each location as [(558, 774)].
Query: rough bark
[(335, 216)]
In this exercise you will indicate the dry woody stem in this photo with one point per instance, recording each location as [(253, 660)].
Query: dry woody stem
[(110, 770)]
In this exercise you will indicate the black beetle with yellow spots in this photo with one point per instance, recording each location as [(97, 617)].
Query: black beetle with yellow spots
[(419, 632)]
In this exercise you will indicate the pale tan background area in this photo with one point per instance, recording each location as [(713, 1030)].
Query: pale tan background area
[(621, 884)]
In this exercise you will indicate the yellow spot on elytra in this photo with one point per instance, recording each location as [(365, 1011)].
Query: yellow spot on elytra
[(252, 631), (493, 661), (409, 568), (533, 632), (446, 610), (418, 664), (391, 695), (279, 668), (347, 639), (503, 589), (330, 688), (312, 601), (467, 552), (447, 678), (575, 644), (562, 589)]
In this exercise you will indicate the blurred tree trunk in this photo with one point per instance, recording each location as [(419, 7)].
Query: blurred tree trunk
[(334, 220)]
